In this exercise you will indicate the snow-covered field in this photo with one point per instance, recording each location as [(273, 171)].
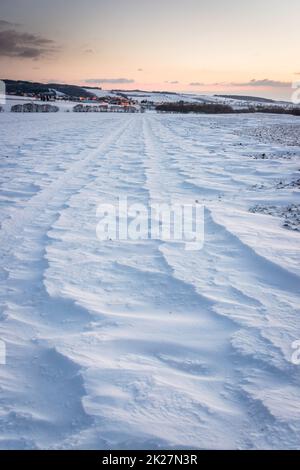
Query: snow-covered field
[(63, 106), (142, 344)]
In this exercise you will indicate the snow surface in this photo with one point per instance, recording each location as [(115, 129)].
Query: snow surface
[(143, 344)]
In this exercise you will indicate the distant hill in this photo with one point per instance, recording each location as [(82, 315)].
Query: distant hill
[(247, 98), (116, 90), (19, 87)]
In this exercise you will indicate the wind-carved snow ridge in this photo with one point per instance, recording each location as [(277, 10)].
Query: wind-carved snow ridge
[(142, 344), (220, 274)]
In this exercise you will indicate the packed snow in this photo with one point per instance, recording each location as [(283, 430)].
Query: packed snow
[(143, 344)]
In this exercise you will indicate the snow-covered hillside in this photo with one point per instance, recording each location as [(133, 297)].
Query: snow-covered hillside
[(162, 97), (141, 96), (14, 100), (142, 344), (165, 97), (155, 97)]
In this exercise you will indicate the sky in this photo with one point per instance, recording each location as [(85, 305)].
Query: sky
[(199, 46)]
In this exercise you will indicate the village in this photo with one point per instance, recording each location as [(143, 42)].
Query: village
[(54, 101)]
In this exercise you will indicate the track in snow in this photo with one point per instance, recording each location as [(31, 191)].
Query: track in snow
[(143, 344)]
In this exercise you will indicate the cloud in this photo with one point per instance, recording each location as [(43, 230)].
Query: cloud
[(24, 45), (172, 82), (89, 51), (263, 83), (196, 84), (251, 83), (7, 24), (140, 70), (109, 80)]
